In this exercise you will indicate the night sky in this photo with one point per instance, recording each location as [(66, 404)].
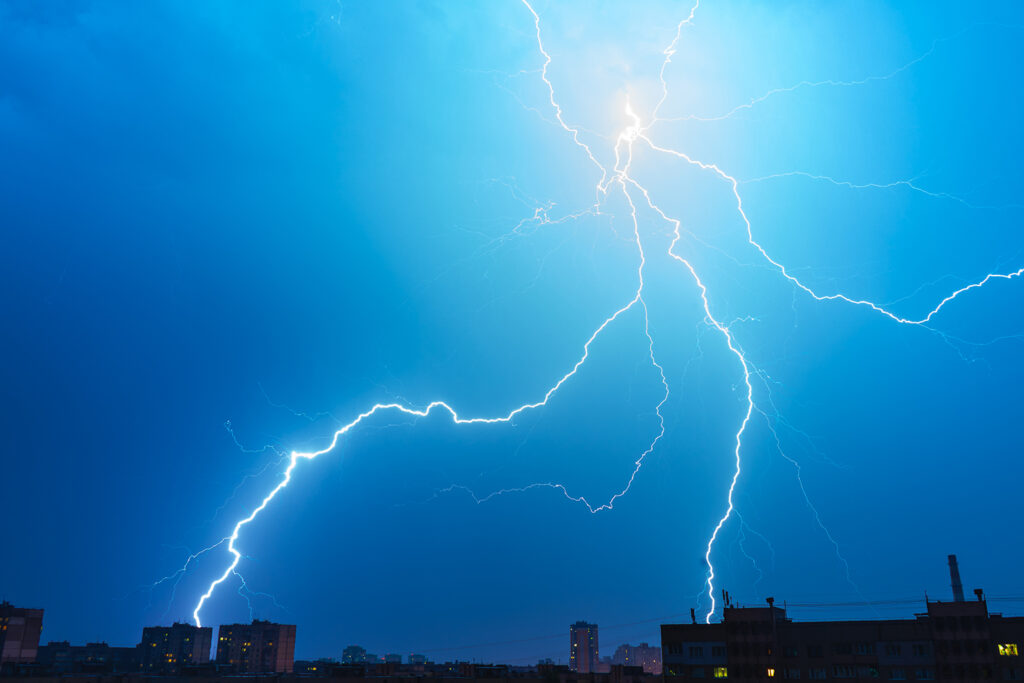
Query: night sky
[(228, 228)]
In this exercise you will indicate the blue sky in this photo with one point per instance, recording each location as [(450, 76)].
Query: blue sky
[(229, 228)]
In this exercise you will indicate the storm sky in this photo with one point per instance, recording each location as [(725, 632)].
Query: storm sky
[(229, 228)]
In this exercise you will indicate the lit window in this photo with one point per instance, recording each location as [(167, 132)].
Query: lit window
[(1008, 649), (721, 672), (771, 673)]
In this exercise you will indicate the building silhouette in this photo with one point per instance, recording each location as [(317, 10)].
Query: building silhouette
[(61, 657), (951, 641), (583, 652), (20, 628), (259, 647), (353, 654), (648, 657), (168, 649), (316, 667)]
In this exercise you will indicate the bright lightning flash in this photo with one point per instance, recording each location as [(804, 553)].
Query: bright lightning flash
[(633, 192)]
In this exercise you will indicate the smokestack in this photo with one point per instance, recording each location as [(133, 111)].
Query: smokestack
[(693, 615), (954, 578)]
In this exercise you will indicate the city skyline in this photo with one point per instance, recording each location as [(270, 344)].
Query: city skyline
[(436, 327), (183, 644), (242, 648), (954, 639)]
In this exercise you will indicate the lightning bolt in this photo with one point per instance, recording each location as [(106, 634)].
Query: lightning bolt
[(641, 133), (734, 184), (634, 193), (249, 594), (807, 84), (297, 456), (637, 465), (910, 184)]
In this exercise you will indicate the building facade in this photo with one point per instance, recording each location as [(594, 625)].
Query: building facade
[(20, 628), (583, 651), (259, 647), (951, 641), (647, 657), (167, 649)]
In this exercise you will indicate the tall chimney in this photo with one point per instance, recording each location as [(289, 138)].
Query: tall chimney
[(954, 578)]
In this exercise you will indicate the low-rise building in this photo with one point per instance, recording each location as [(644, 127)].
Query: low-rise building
[(61, 657)]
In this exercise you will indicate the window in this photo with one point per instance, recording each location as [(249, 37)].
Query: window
[(921, 649), (865, 648), (1008, 649), (843, 648), (790, 651), (791, 674), (893, 649), (718, 651), (924, 675), (897, 675), (696, 651), (721, 672), (698, 672), (771, 673), (817, 674), (815, 651)]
